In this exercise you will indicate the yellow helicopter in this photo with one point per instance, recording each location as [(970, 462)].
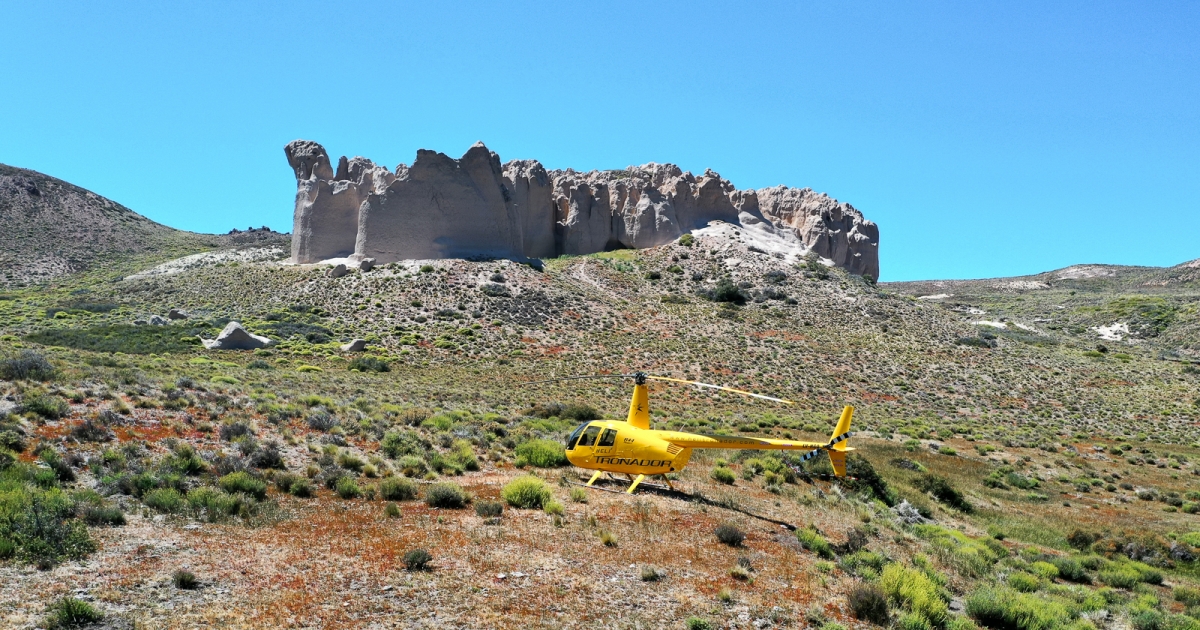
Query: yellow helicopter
[(632, 448)]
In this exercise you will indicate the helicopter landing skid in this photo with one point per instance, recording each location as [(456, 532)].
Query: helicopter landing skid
[(672, 493)]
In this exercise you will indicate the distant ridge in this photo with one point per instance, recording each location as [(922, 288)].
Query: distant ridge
[(52, 228)]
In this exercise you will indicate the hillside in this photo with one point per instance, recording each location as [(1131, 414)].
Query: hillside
[(1152, 308), (53, 228), (1018, 465)]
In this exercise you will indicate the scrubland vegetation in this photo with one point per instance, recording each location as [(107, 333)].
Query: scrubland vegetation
[(1004, 477)]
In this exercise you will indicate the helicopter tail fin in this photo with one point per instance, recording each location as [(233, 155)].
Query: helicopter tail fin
[(839, 442)]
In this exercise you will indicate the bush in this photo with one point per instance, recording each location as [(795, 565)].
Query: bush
[(725, 291), (1120, 577), (579, 495), (26, 366), (242, 482), (400, 443), (527, 492), (347, 488), (723, 475), (184, 580), (98, 515), (541, 453), (38, 525), (915, 591), (319, 419), (607, 538), (869, 603), (1024, 582), (1070, 569), (446, 495), (391, 510), (397, 489), (369, 364), (999, 607), (45, 405), (941, 489), (1187, 595), (813, 541), (69, 612), (729, 534), (164, 500), (913, 621), (214, 503), (553, 508), (489, 509), (301, 488), (417, 560)]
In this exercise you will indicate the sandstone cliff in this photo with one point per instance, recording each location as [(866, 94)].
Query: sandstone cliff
[(440, 207)]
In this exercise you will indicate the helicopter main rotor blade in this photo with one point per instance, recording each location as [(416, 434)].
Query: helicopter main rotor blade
[(722, 388), (576, 378)]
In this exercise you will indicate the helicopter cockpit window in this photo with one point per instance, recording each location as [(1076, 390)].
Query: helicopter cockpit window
[(575, 436), (608, 438), (589, 436)]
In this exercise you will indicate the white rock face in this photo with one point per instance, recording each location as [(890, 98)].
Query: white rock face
[(475, 207), (234, 337)]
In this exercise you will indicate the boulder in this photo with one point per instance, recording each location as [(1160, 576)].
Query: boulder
[(357, 345), (235, 337), (366, 264), (336, 271), (474, 206), (177, 314), (158, 320)]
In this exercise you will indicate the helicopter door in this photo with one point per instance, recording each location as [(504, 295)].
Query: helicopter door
[(589, 437), (604, 445)]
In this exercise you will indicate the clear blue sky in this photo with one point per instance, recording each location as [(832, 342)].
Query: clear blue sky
[(985, 138)]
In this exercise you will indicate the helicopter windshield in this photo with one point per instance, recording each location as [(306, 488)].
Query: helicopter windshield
[(575, 436)]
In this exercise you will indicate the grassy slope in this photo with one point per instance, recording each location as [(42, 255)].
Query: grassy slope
[(1037, 399)]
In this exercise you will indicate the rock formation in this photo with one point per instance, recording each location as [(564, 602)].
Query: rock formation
[(474, 206), (235, 337)]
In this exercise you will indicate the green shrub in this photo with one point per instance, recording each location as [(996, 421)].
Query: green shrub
[(417, 560), (400, 443), (397, 489), (869, 603), (941, 489), (730, 534), (1070, 569), (214, 503), (552, 507), (813, 541), (185, 580), (302, 488), (446, 495), (1024, 582), (391, 510), (527, 492), (913, 621), (26, 366), (1120, 576), (1187, 595), (347, 488), (369, 364), (164, 500), (913, 590), (38, 524), (45, 405), (69, 612), (462, 456), (541, 453), (242, 482), (1000, 607), (489, 509), (579, 495), (99, 515), (970, 556), (1044, 569), (723, 475)]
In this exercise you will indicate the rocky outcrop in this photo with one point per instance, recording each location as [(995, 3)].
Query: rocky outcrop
[(235, 337), (474, 206)]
